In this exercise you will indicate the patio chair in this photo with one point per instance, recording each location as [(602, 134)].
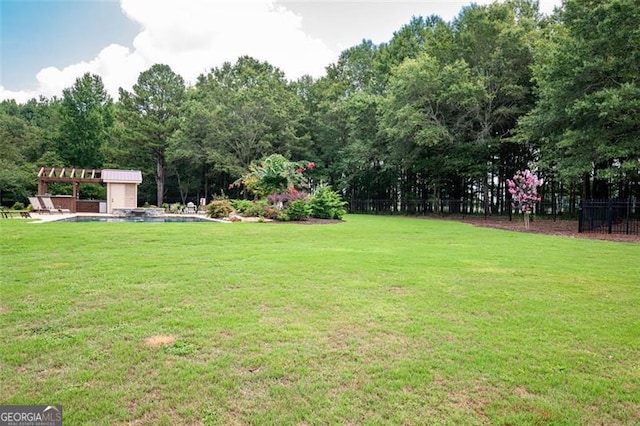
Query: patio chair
[(37, 207), (191, 208), (48, 204), (25, 215), (5, 213)]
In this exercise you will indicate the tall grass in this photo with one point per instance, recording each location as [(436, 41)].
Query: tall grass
[(375, 320)]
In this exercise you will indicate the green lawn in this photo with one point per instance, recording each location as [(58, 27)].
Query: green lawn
[(377, 320)]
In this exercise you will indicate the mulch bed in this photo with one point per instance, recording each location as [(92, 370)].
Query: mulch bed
[(565, 228), (316, 221), (310, 221)]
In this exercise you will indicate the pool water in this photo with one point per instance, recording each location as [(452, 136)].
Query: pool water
[(161, 219)]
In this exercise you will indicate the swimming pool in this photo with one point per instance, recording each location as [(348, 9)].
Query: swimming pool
[(158, 219)]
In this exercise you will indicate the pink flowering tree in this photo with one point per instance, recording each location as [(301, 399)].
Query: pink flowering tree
[(524, 192)]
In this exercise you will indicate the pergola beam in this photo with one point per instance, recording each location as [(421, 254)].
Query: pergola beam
[(48, 175)]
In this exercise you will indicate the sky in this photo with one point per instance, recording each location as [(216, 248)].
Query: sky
[(46, 44)]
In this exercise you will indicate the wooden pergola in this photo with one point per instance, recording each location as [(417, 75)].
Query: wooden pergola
[(48, 175), (122, 187)]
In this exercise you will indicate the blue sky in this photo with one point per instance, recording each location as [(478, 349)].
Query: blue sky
[(46, 44), (35, 34)]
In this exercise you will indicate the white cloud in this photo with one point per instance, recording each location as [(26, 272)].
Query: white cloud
[(192, 36), (20, 96), (114, 64)]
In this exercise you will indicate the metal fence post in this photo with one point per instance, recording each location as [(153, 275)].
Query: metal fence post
[(628, 218), (580, 217)]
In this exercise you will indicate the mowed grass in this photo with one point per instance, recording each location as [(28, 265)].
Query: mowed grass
[(377, 320)]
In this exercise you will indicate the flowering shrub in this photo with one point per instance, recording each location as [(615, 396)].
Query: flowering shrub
[(280, 184), (284, 198), (524, 190)]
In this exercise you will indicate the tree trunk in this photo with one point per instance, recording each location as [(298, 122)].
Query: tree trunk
[(206, 183), (160, 173), (586, 186), (183, 194)]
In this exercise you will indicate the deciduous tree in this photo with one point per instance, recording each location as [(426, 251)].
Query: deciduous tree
[(587, 118), (151, 116), (86, 122)]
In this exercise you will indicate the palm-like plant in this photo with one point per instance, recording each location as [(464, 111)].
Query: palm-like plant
[(273, 174)]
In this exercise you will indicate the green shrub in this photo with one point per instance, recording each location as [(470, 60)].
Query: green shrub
[(283, 217), (219, 208), (327, 204), (298, 210), (273, 174), (18, 206), (255, 209), (241, 206), (270, 212), (258, 209)]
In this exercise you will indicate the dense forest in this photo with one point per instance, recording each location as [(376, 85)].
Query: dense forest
[(444, 112)]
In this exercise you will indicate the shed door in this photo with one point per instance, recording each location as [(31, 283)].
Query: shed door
[(131, 195), (116, 196)]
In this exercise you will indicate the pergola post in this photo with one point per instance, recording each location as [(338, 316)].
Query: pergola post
[(42, 187)]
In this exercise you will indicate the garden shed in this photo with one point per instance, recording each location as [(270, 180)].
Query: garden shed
[(122, 188)]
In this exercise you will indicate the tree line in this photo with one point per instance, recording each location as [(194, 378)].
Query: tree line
[(442, 111)]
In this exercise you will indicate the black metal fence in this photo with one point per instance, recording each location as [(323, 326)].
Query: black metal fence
[(418, 207), (612, 216), (445, 207)]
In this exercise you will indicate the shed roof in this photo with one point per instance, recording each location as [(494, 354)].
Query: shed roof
[(121, 176)]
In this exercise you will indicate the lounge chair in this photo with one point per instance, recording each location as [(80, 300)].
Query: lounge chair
[(37, 207), (48, 204), (26, 215), (5, 213)]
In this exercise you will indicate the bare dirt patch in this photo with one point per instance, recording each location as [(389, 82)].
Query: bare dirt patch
[(3, 310), (472, 398), (522, 392), (158, 341)]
